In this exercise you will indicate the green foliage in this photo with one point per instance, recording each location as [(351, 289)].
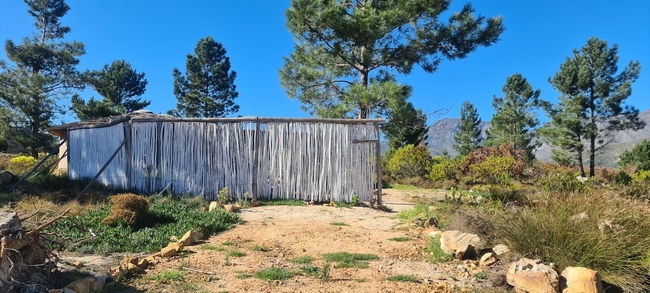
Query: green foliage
[(638, 157), (495, 165), (235, 253), (421, 211), (224, 195), (403, 278), (207, 89), (410, 161), (305, 259), (282, 202), (595, 230), (591, 102), (643, 175), (167, 276), (212, 247), (22, 163), (562, 183), (313, 271), (444, 168), (468, 137), (345, 51), (355, 200), (435, 252), (400, 239), (274, 273), (262, 248), (493, 170), (406, 125), (40, 72), (119, 84), (350, 260), (168, 217), (514, 116), (339, 224)]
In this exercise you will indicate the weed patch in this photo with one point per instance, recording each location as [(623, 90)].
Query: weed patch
[(262, 248), (435, 253), (305, 259), (212, 247), (339, 224), (350, 260), (282, 202), (403, 278), (421, 211), (235, 253), (400, 239), (167, 276), (274, 273)]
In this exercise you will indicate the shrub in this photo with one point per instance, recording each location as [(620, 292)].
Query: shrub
[(444, 168), (638, 157), (410, 161), (642, 175), (492, 164), (494, 170), (22, 164), (562, 183), (128, 208), (224, 195), (609, 235)]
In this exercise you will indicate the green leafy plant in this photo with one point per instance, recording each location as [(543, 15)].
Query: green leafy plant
[(224, 195), (355, 200), (212, 247), (274, 273), (350, 260), (403, 278), (339, 224), (235, 253), (410, 161), (435, 253), (305, 259), (262, 248), (167, 276)]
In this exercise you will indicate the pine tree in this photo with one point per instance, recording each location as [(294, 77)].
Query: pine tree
[(514, 115), (345, 50), (405, 126), (591, 106), (208, 87), (119, 84), (468, 136), (42, 72)]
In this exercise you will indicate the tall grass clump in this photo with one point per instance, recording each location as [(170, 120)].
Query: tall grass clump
[(606, 233)]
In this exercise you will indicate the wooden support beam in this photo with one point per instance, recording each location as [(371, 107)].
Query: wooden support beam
[(365, 141), (101, 170), (262, 119), (65, 154), (256, 160), (127, 153), (378, 154), (54, 150)]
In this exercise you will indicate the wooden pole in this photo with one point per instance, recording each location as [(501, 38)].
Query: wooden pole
[(65, 154), (378, 155), (101, 170), (127, 153), (261, 119), (38, 165), (256, 159)]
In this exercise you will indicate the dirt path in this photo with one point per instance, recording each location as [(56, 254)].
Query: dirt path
[(274, 235)]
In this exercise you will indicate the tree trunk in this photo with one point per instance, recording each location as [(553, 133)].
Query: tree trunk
[(592, 156), (580, 165), (363, 79), (33, 148)]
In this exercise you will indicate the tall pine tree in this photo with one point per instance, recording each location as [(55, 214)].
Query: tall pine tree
[(591, 105), (468, 137), (345, 49), (208, 87), (42, 72), (119, 84), (514, 115)]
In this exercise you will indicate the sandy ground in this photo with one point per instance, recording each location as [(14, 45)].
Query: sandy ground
[(273, 235)]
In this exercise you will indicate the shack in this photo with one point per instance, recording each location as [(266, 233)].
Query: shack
[(308, 159)]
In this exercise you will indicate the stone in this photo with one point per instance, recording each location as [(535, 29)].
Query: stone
[(133, 268), (129, 260), (417, 222), (78, 264), (98, 285), (9, 220), (213, 205), (190, 238), (582, 179), (116, 272), (487, 259), (173, 248), (431, 222), (500, 249), (143, 263), (7, 177), (580, 280), (461, 245), (81, 285), (231, 208), (532, 276), (55, 291)]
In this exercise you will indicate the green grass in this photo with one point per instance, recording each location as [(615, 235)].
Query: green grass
[(400, 239), (274, 273), (305, 259), (339, 224), (212, 247), (480, 275), (421, 211), (313, 271), (228, 243), (435, 254), (167, 217), (282, 202), (235, 253), (402, 187), (403, 278), (262, 248), (167, 276), (242, 275), (350, 260)]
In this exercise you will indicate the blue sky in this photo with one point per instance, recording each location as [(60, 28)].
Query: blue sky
[(156, 36)]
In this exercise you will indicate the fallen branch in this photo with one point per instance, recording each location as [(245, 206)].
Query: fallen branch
[(49, 223)]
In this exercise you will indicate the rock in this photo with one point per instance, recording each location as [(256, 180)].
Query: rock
[(78, 264), (580, 280), (81, 285), (487, 259), (9, 221), (7, 177), (55, 291), (190, 238), (98, 285), (232, 208), (431, 222), (417, 222), (173, 248), (133, 268), (582, 179), (500, 249), (461, 245), (532, 276), (129, 260), (213, 206), (116, 272), (143, 263)]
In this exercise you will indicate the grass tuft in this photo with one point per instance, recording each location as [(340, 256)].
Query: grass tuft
[(403, 278), (435, 253), (167, 276), (421, 211), (262, 248), (400, 239), (350, 260), (305, 259), (282, 202), (235, 253), (339, 224), (274, 273), (212, 247)]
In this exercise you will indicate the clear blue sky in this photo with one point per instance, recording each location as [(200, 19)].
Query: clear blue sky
[(156, 36)]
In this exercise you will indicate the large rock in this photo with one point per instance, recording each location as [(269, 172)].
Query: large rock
[(173, 248), (532, 276), (461, 245), (580, 280), (213, 206), (7, 177)]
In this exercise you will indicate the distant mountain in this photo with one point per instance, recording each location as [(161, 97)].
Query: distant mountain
[(441, 137)]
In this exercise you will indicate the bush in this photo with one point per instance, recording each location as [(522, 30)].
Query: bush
[(129, 208), (638, 157), (562, 183), (410, 161), (493, 170), (22, 164), (609, 235), (444, 168), (492, 164)]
